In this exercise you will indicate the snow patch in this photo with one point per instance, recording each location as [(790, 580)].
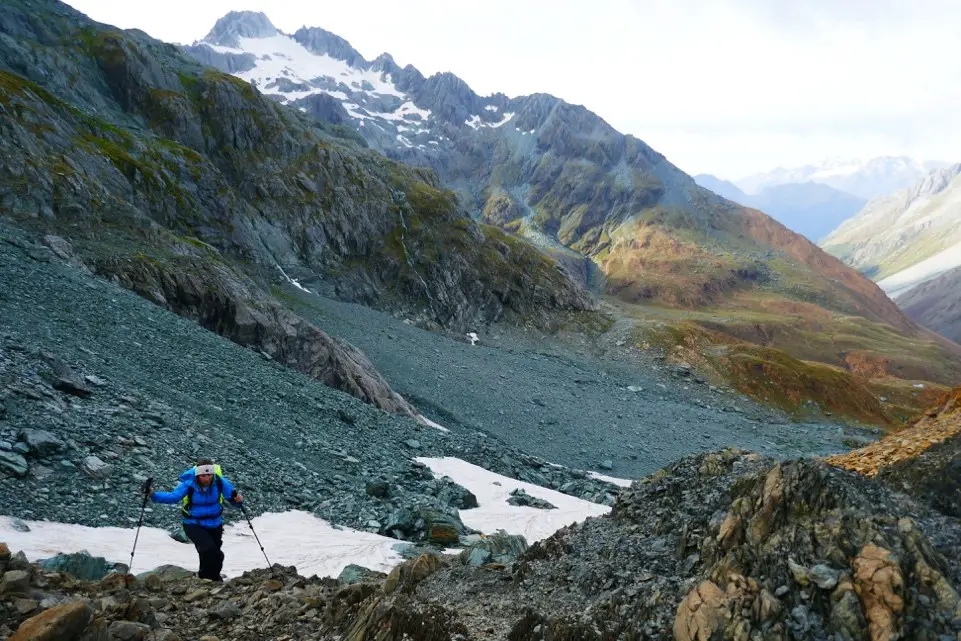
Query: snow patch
[(495, 513), (351, 108), (506, 119), (473, 337), (918, 273), (293, 281), (404, 141), (611, 479), (429, 423), (289, 538), (282, 56), (475, 122), (491, 107), (406, 109)]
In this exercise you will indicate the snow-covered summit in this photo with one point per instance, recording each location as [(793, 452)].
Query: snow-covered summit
[(864, 178), (240, 24), (397, 110)]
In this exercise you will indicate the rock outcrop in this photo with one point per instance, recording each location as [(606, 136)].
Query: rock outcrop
[(923, 460)]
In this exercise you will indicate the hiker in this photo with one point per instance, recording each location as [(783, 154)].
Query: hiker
[(202, 492)]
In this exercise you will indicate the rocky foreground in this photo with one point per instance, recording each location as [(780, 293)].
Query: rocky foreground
[(727, 545)]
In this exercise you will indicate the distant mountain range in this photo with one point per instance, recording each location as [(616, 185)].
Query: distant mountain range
[(553, 172), (808, 208), (910, 239), (863, 178)]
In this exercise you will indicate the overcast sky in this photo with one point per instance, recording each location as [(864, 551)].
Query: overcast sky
[(729, 87)]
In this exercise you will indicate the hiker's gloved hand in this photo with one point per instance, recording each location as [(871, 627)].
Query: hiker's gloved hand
[(237, 498)]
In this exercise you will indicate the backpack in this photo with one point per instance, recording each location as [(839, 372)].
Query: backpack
[(187, 501)]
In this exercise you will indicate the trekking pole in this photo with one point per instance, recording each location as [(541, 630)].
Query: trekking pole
[(145, 488), (251, 526)]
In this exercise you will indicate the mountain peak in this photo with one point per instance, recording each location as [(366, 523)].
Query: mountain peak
[(240, 24), (322, 42)]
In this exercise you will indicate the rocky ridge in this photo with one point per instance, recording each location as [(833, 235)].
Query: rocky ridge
[(726, 545), (923, 460)]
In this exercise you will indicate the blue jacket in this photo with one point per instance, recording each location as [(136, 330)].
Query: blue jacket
[(205, 507)]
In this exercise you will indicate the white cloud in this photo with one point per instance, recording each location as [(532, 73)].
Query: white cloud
[(726, 86)]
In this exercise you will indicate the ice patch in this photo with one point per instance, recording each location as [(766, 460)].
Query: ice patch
[(495, 513), (290, 538)]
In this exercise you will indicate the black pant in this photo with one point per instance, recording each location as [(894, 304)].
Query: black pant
[(208, 542)]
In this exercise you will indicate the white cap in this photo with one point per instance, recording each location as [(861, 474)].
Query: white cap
[(204, 469)]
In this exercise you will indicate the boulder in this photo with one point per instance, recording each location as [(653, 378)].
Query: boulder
[(407, 575), (225, 611), (128, 631), (521, 498), (62, 623), (40, 443), (167, 573), (439, 527), (15, 582), (500, 547), (378, 489), (454, 495), (64, 379), (79, 564), (359, 574), (13, 464), (94, 467)]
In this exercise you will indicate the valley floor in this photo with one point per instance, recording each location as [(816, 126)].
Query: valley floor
[(573, 402)]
